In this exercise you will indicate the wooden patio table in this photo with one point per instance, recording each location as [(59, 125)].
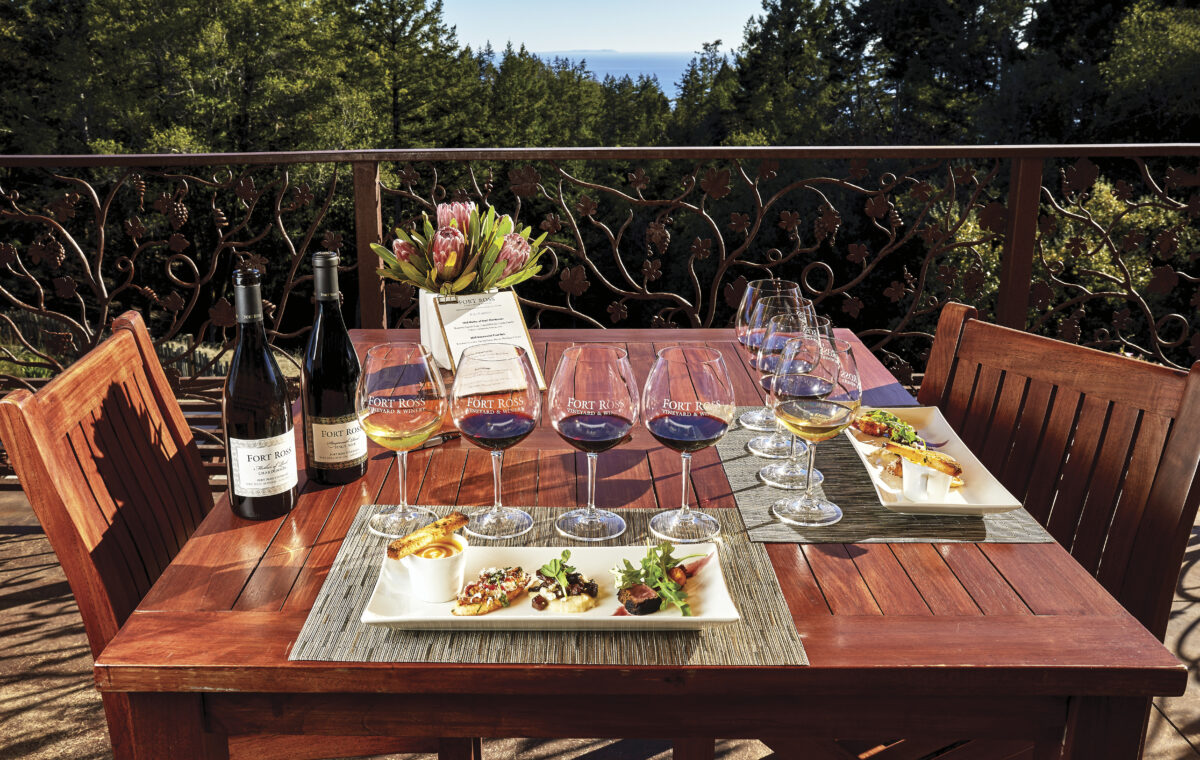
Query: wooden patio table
[(945, 641)]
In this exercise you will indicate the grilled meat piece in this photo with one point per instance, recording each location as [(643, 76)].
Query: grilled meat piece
[(639, 599)]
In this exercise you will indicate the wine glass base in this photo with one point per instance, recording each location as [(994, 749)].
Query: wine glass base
[(684, 527), (788, 476), (394, 522), (598, 525), (807, 512), (761, 420), (505, 522), (774, 446)]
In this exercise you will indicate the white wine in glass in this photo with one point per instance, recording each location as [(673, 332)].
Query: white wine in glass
[(401, 402)]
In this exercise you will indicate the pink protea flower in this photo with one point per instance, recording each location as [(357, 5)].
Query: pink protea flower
[(447, 249), (459, 213), (514, 253), (403, 249)]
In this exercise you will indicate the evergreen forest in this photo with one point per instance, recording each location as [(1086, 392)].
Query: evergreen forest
[(112, 76)]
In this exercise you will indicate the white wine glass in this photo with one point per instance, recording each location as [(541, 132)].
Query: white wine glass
[(687, 406), (834, 397), (496, 404), (400, 401)]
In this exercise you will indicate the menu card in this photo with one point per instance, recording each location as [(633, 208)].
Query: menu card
[(482, 318)]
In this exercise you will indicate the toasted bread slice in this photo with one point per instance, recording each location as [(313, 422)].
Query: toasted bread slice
[(932, 459), (438, 530), (488, 604)]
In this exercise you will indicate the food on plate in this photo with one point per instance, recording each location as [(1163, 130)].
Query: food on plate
[(435, 532), (893, 466), (496, 588), (887, 425), (932, 459), (559, 587), (438, 550), (657, 583)]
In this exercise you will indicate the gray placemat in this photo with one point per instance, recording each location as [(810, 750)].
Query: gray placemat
[(848, 485), (765, 635)]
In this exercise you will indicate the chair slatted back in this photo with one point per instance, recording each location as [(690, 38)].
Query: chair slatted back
[(107, 460), (1102, 449)]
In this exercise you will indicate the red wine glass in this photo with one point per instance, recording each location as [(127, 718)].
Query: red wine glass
[(496, 403), (687, 406), (593, 403)]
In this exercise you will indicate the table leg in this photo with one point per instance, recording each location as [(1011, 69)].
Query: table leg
[(1109, 727), (694, 749), (171, 725)]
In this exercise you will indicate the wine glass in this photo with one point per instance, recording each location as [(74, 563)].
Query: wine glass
[(768, 307), (794, 380), (687, 406), (749, 336), (400, 401), (817, 419), (593, 402), (780, 329), (496, 403)]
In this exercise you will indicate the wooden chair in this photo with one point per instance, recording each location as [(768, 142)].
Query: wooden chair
[(1102, 449), (107, 460)]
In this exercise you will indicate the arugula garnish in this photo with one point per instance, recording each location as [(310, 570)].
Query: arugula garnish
[(653, 573), (558, 569)]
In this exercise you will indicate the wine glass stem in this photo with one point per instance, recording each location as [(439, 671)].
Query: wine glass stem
[(812, 452), (497, 465), (591, 492), (402, 476), (685, 472)]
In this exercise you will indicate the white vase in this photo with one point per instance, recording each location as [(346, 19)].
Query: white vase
[(431, 330)]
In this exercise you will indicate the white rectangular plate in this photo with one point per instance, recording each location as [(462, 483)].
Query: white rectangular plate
[(981, 492), (390, 604)]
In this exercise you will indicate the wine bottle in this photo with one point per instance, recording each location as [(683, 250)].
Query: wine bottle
[(260, 444), (335, 446)]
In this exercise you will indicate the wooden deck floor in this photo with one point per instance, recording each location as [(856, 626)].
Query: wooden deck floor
[(49, 708)]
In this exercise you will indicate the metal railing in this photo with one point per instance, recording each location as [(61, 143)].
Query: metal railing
[(1096, 244)]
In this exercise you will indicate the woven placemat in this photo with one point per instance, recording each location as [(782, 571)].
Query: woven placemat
[(765, 635), (848, 485)]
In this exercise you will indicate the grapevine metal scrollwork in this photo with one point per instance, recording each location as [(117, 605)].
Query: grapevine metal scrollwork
[(676, 247), (1111, 256)]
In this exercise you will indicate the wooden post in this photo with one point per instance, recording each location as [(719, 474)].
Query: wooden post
[(368, 228), (1020, 236)]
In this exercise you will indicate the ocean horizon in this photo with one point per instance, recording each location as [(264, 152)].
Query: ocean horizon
[(666, 66)]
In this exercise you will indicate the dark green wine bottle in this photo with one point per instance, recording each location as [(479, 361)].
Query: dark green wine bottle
[(260, 444), (335, 446)]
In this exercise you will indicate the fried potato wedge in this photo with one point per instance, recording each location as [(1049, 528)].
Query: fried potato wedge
[(439, 530), (933, 459)]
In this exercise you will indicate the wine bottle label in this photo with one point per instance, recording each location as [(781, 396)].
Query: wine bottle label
[(335, 442), (263, 466)]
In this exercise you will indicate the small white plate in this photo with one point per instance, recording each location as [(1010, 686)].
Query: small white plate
[(980, 494), (708, 596)]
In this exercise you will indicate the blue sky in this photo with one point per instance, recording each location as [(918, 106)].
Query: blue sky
[(624, 25)]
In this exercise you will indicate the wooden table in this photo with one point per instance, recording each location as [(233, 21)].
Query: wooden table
[(945, 641)]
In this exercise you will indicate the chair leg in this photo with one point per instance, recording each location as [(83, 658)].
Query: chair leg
[(460, 749), (694, 749)]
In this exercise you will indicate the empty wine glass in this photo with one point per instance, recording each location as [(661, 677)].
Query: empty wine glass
[(400, 401), (793, 380), (496, 403), (687, 406), (818, 418), (749, 335), (593, 404), (768, 307), (780, 329)]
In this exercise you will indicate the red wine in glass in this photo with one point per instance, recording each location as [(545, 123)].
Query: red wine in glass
[(496, 404), (688, 403), (593, 402), (687, 433), (496, 431)]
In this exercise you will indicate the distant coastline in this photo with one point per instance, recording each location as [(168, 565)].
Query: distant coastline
[(668, 67)]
